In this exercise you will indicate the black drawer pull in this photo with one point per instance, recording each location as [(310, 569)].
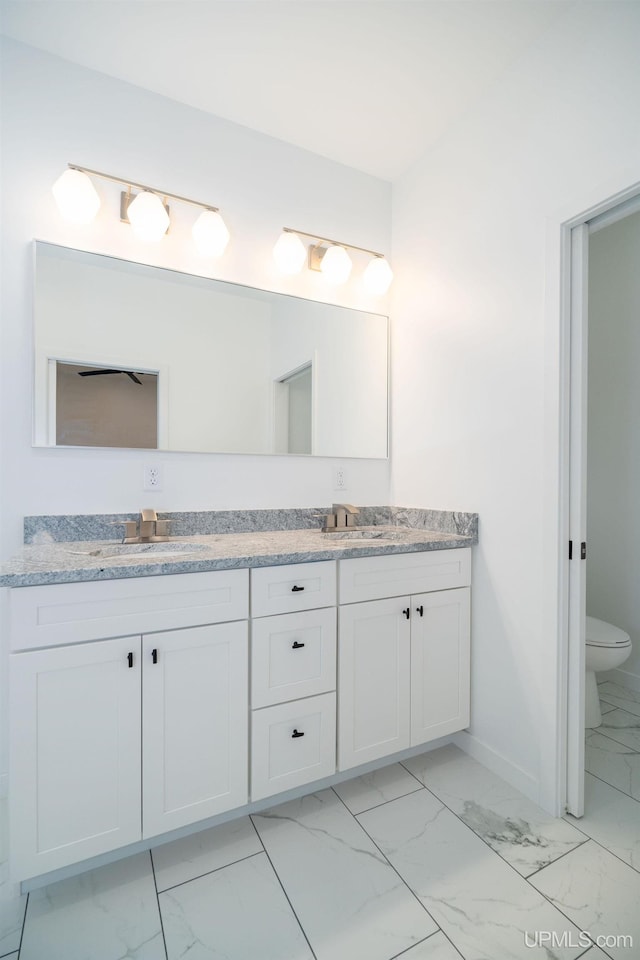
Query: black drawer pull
[(296, 589), (296, 734), (154, 656), (407, 613), (296, 646), (420, 610), (130, 659)]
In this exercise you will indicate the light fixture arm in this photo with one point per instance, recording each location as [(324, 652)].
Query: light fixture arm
[(339, 243), (141, 186)]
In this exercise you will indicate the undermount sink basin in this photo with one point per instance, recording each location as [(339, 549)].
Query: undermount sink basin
[(142, 551), (367, 533)]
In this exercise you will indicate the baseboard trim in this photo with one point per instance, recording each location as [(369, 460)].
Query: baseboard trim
[(498, 764)]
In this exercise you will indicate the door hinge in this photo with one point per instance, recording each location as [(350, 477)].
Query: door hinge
[(583, 550), (570, 549)]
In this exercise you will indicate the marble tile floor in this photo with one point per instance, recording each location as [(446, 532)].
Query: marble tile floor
[(436, 859), (612, 750)]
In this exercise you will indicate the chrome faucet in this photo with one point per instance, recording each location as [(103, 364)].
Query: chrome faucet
[(146, 529), (341, 518)]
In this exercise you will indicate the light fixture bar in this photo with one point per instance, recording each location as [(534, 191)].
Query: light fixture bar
[(142, 186), (340, 243)]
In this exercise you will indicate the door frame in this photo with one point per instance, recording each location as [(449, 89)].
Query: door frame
[(572, 462)]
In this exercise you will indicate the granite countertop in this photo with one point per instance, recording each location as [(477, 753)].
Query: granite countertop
[(51, 560)]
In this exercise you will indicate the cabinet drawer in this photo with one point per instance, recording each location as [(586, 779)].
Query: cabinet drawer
[(292, 744), (75, 612), (297, 586), (373, 578), (293, 656)]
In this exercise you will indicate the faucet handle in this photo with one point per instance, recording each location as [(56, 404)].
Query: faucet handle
[(130, 528), (148, 515)]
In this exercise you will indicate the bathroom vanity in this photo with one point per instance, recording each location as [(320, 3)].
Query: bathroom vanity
[(145, 701)]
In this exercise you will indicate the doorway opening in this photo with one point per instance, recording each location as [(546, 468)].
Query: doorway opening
[(293, 411), (574, 535)]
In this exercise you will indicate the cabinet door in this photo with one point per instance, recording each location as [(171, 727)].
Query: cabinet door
[(195, 724), (75, 753), (373, 658), (439, 664)]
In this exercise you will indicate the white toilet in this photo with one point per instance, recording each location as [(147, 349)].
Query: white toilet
[(607, 648)]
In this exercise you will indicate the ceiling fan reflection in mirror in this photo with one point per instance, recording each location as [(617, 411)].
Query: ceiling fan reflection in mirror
[(102, 372)]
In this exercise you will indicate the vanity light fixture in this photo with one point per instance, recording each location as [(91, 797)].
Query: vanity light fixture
[(289, 252), (147, 214), (331, 258), (76, 196), (147, 210)]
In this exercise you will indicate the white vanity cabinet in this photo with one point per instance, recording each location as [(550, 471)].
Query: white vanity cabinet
[(403, 658), (118, 739), (293, 676), (140, 706)]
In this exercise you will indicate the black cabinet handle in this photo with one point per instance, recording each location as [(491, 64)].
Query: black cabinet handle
[(296, 734), (296, 589), (407, 613), (130, 659), (420, 610), (154, 656), (296, 646)]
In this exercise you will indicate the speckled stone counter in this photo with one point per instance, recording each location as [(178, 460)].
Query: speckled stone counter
[(81, 548)]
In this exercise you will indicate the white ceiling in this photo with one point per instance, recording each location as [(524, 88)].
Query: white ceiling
[(369, 83)]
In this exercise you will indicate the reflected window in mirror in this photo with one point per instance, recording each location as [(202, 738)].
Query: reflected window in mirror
[(102, 407)]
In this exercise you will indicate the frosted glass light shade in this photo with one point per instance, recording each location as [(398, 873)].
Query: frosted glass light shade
[(147, 216), (289, 253), (336, 265), (377, 276), (76, 196), (210, 234)]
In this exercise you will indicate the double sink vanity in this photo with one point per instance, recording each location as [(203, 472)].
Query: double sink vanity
[(154, 686)]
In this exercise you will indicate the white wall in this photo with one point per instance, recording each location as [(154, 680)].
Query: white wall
[(476, 348), (53, 113), (613, 448)]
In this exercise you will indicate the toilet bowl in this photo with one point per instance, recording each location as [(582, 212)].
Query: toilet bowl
[(606, 648)]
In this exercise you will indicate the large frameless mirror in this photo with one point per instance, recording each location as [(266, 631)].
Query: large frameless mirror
[(128, 355)]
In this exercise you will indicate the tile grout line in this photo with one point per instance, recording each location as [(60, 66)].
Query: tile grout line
[(282, 886), (387, 861), (376, 805), (208, 873), (24, 924), (603, 697), (613, 786), (398, 956), (608, 736), (155, 883)]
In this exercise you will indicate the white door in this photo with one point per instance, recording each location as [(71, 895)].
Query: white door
[(440, 664), (577, 521), (75, 753), (195, 724), (374, 680)]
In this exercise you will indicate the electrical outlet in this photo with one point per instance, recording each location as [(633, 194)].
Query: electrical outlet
[(340, 479), (152, 478)]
